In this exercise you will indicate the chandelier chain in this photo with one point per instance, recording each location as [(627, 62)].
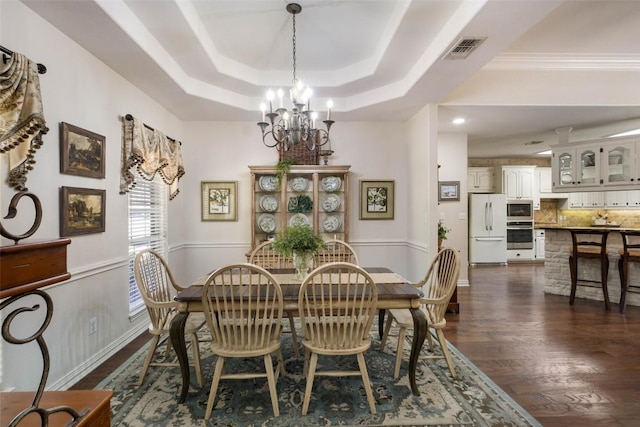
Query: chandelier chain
[(295, 79)]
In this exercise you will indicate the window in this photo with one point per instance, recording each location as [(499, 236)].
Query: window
[(147, 227)]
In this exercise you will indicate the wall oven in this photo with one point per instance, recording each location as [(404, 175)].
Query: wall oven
[(519, 210), (520, 235)]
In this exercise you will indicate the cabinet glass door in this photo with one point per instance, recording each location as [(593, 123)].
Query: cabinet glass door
[(565, 169), (618, 164), (589, 167)]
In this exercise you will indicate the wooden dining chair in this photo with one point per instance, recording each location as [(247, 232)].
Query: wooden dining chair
[(441, 279), (266, 257), (157, 288), (337, 251), (243, 308), (337, 303), (629, 253)]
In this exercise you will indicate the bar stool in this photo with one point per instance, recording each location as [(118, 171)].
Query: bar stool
[(629, 253), (591, 248)]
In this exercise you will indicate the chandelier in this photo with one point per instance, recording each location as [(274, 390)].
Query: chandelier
[(298, 125)]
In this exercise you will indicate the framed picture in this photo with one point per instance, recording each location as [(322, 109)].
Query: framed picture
[(219, 200), (376, 199), (82, 211), (448, 191), (82, 152)]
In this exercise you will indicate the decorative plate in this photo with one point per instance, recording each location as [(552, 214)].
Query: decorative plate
[(299, 184), (298, 220), (331, 203), (267, 223), (331, 224), (268, 203), (331, 183), (268, 183)]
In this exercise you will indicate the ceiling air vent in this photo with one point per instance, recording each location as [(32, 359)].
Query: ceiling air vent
[(463, 47)]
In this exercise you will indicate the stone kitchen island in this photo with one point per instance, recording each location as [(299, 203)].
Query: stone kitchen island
[(558, 248)]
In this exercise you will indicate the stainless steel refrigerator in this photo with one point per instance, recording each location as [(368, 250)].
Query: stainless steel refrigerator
[(487, 229)]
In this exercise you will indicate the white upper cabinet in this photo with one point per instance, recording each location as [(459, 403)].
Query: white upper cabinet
[(518, 182), (611, 163), (622, 164), (480, 179)]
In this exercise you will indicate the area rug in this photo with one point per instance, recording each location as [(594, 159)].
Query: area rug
[(471, 399)]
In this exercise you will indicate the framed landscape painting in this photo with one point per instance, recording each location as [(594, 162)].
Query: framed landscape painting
[(376, 199), (82, 152), (219, 200), (448, 191), (82, 211)]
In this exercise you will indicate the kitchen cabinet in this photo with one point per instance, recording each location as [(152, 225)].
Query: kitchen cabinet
[(540, 244), (317, 195), (480, 179), (622, 164), (604, 164), (576, 167), (518, 182), (622, 199), (588, 199)]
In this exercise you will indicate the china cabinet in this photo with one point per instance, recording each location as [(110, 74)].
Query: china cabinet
[(518, 182), (480, 179), (317, 195)]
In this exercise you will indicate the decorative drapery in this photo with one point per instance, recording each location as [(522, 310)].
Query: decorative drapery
[(149, 151), (22, 121)]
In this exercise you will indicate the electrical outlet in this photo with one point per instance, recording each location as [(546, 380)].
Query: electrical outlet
[(93, 325)]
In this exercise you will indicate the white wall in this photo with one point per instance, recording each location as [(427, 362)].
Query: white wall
[(452, 157), (80, 90)]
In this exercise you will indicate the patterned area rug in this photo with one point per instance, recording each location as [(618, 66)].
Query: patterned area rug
[(471, 399)]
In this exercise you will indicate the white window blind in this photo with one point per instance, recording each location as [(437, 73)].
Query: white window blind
[(147, 227)]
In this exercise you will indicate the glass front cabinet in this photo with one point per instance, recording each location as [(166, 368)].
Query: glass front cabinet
[(604, 164), (621, 165), (313, 195)]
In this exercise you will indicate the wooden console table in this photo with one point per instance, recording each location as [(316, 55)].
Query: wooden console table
[(96, 403), (24, 269)]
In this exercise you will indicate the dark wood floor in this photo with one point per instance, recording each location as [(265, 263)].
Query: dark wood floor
[(567, 366)]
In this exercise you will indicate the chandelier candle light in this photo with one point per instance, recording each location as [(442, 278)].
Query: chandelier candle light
[(299, 124)]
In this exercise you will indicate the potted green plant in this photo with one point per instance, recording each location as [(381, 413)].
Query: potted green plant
[(301, 244), (442, 234)]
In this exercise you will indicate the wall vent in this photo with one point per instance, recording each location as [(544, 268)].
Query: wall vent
[(463, 47)]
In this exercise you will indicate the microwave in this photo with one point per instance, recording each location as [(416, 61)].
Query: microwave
[(519, 210)]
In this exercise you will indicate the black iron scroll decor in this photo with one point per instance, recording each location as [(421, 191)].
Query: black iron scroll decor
[(37, 336), (13, 210)]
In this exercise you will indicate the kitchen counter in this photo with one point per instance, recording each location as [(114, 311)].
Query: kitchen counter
[(557, 280)]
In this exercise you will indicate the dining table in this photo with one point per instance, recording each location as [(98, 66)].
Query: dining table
[(393, 292)]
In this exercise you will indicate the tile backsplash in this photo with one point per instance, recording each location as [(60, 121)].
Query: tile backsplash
[(551, 214)]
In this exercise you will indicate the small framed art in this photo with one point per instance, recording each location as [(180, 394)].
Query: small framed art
[(82, 152), (448, 191), (82, 211), (376, 199), (219, 200)]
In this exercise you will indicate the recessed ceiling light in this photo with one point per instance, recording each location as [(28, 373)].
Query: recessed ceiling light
[(544, 153), (458, 121)]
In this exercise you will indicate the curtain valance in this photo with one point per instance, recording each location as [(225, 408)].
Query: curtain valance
[(22, 121), (150, 152)]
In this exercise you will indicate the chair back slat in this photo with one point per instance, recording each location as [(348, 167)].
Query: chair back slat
[(337, 303), (155, 285), (265, 256), (243, 307), (441, 279), (337, 251)]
